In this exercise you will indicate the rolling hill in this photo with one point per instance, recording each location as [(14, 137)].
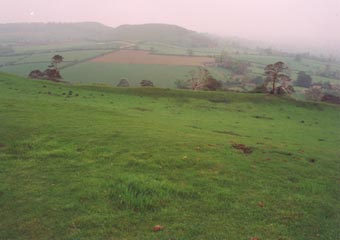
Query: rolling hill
[(28, 33)]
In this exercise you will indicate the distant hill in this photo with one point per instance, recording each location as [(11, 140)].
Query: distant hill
[(162, 33), (52, 32), (57, 32)]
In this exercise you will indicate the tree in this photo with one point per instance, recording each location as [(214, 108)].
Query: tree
[(298, 58), (276, 73), (303, 80), (258, 80), (57, 59), (222, 58), (313, 94), (190, 52), (202, 79), (152, 50)]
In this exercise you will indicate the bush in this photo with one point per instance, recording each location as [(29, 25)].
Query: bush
[(123, 83), (303, 80), (260, 89), (182, 84), (313, 94), (257, 80), (146, 83), (212, 84)]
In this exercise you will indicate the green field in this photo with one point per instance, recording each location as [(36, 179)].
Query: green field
[(24, 64), (69, 56), (38, 57), (111, 73), (85, 162)]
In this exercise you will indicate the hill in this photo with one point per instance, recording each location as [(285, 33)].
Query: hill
[(162, 33), (94, 162), (28, 33)]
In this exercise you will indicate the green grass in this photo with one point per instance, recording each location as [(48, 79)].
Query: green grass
[(25, 68), (84, 162), (67, 46), (25, 64), (68, 56), (111, 73)]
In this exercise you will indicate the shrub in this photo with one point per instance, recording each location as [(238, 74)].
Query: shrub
[(146, 83), (303, 80), (313, 94)]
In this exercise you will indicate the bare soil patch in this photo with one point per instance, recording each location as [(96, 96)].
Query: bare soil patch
[(243, 148), (144, 57)]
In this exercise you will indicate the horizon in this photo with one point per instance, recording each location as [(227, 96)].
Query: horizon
[(310, 24)]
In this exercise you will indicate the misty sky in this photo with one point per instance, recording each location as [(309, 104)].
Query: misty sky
[(316, 21)]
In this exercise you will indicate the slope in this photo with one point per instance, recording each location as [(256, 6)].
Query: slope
[(108, 163)]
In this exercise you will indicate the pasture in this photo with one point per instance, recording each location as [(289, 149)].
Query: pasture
[(91, 162), (164, 64), (111, 73)]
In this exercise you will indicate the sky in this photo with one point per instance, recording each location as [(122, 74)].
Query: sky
[(311, 22)]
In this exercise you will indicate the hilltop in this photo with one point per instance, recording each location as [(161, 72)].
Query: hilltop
[(166, 33), (96, 162)]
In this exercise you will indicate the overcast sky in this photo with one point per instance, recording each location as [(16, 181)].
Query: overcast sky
[(309, 21)]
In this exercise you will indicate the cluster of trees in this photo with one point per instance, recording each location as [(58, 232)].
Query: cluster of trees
[(329, 73), (237, 67), (51, 73), (303, 80), (200, 79)]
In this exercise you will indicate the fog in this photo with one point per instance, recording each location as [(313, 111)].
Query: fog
[(289, 23)]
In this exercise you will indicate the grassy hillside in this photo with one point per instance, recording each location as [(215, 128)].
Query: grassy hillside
[(29, 33), (52, 32), (164, 33), (83, 162)]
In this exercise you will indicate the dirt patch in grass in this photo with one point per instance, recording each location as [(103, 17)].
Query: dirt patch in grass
[(227, 133), (243, 148), (263, 117), (2, 145), (282, 153), (144, 57), (142, 109)]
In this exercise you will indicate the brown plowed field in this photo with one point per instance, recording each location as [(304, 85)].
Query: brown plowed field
[(144, 57)]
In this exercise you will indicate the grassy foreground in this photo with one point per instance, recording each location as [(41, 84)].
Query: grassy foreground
[(107, 163)]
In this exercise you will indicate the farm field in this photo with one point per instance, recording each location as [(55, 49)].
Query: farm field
[(144, 57), (86, 162), (110, 68), (23, 65), (163, 76), (111, 73)]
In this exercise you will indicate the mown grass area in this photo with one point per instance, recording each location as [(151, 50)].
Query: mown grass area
[(84, 162)]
